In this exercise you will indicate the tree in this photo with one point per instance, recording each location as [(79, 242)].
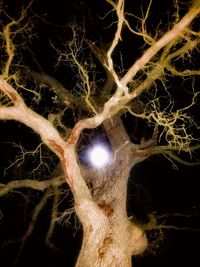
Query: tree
[(141, 89)]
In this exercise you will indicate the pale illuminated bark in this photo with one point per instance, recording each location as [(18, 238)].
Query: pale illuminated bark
[(110, 239)]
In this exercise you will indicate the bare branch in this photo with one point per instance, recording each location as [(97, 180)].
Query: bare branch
[(25, 115), (64, 97), (120, 14), (109, 61), (172, 156), (175, 33), (100, 54), (38, 208), (10, 93), (29, 183), (54, 216), (154, 224), (8, 35)]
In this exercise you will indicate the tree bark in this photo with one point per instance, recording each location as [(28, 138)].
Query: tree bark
[(110, 242), (110, 238)]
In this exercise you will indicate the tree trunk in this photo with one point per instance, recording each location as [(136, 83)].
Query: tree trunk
[(110, 242), (109, 237)]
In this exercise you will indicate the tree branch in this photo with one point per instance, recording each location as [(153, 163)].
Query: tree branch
[(29, 183), (175, 33)]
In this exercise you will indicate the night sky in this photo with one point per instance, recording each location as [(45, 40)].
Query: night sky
[(155, 185)]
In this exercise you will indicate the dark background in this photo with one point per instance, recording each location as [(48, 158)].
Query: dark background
[(154, 185)]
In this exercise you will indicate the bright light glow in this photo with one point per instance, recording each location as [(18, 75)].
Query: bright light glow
[(99, 156)]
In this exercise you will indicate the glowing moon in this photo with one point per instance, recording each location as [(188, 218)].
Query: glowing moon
[(99, 156)]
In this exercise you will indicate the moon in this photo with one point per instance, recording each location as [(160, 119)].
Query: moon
[(99, 156)]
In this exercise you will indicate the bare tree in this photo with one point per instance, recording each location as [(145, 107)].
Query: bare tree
[(99, 192)]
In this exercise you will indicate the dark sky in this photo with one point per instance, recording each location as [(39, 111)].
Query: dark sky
[(154, 185)]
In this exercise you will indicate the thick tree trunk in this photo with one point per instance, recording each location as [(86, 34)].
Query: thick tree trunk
[(110, 238), (111, 243)]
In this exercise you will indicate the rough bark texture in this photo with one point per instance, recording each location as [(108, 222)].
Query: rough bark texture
[(111, 245), (110, 239)]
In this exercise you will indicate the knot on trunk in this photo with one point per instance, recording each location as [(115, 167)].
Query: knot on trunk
[(138, 240)]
